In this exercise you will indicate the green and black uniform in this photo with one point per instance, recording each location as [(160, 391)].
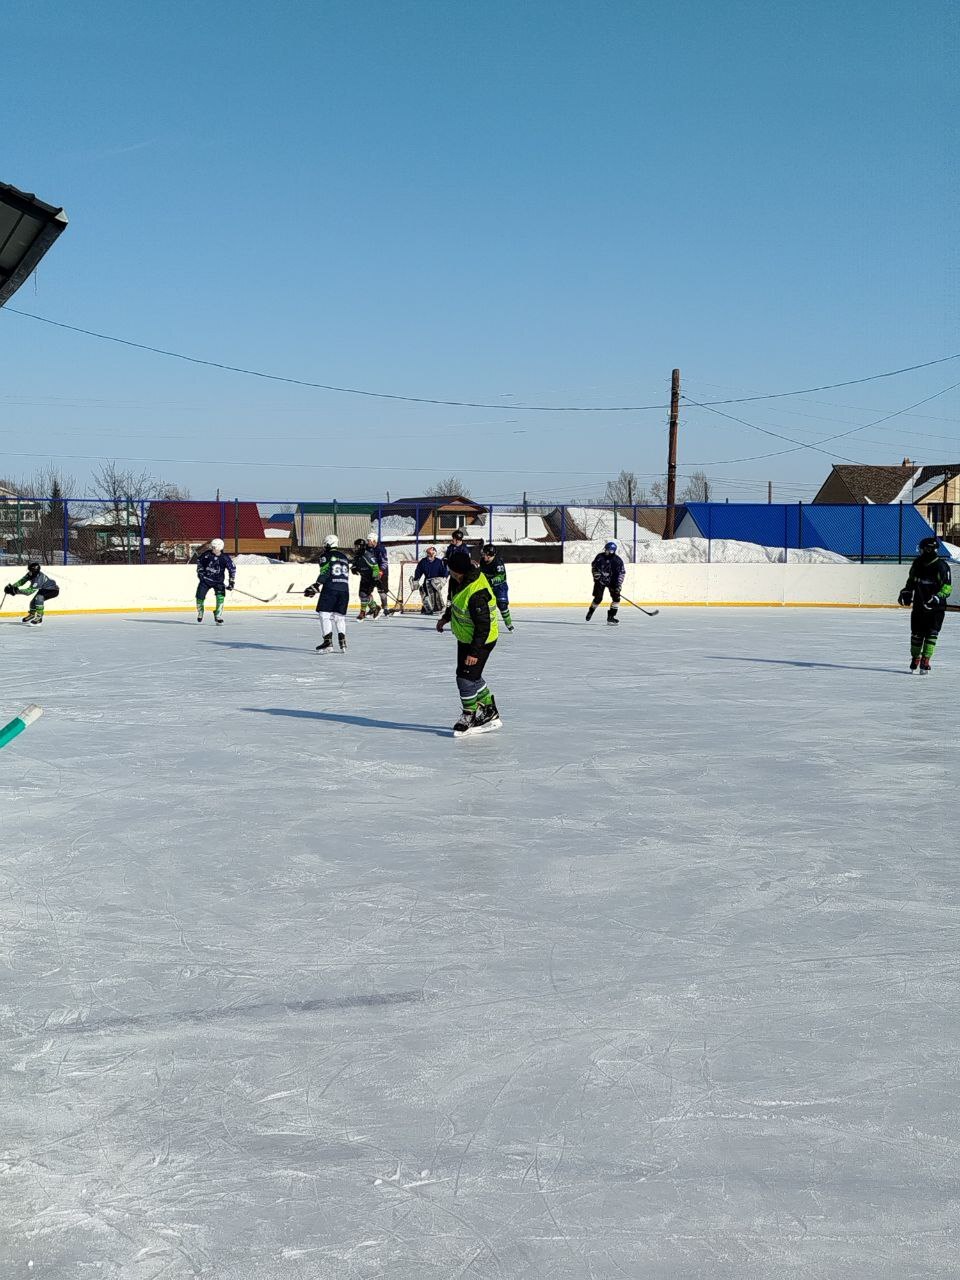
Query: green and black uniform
[(928, 586), (473, 620), (37, 584), (365, 564)]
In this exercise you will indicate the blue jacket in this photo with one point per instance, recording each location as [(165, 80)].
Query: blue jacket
[(212, 569), (435, 568), (609, 569)]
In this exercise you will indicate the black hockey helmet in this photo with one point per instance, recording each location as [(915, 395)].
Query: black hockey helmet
[(488, 549), (459, 562), (930, 544), (33, 568)]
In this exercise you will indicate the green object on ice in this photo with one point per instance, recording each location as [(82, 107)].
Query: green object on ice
[(19, 723)]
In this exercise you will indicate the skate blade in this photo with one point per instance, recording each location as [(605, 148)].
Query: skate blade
[(475, 730)]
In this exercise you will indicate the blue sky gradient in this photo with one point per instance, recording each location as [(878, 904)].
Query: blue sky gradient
[(541, 202)]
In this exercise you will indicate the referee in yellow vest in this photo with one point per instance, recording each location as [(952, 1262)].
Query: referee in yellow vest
[(472, 614)]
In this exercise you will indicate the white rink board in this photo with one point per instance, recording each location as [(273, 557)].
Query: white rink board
[(135, 588), (660, 981)]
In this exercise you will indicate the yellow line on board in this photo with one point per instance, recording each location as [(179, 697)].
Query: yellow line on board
[(540, 604)]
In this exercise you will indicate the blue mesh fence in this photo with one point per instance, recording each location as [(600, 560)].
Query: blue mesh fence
[(141, 531)]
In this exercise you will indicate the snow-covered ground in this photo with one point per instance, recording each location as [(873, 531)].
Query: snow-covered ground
[(660, 981), (700, 551)]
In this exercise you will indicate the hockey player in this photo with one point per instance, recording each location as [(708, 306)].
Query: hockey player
[(495, 572), (456, 544), (365, 564), (379, 551), (927, 588), (474, 624), (216, 571), (608, 574), (430, 572), (333, 584), (36, 583)]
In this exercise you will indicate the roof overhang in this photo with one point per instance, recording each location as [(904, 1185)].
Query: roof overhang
[(28, 228)]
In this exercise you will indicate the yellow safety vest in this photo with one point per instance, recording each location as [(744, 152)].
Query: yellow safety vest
[(461, 622)]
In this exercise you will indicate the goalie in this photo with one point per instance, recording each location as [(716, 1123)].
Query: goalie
[(430, 573)]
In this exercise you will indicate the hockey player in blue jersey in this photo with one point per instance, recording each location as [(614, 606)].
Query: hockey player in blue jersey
[(495, 572), (215, 572), (333, 585), (608, 572), (37, 584), (379, 552)]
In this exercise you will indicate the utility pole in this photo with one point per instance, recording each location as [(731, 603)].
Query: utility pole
[(769, 491), (526, 518), (671, 517)]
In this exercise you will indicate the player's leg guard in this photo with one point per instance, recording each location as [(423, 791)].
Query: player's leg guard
[(365, 601), (219, 597), (201, 598), (326, 622)]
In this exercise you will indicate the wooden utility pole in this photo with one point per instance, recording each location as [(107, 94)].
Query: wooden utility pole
[(769, 491), (671, 518)]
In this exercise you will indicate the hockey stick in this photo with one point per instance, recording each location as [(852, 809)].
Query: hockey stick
[(19, 723), (251, 597), (651, 613)]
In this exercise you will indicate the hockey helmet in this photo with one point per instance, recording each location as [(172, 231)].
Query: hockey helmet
[(373, 536), (488, 550), (216, 544), (33, 568), (330, 540), (930, 544), (611, 546)]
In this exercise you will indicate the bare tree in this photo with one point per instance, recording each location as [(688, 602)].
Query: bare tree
[(444, 488), (625, 491), (658, 493), (35, 522), (697, 488)]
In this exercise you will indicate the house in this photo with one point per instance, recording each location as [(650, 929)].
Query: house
[(434, 516), (179, 529), (934, 490), (108, 537), (18, 516), (860, 532)]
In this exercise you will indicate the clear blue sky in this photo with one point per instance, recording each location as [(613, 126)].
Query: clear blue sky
[(548, 201)]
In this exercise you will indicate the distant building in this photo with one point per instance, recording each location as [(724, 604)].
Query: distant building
[(180, 529), (933, 489), (436, 515)]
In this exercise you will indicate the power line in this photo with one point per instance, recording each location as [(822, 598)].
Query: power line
[(461, 404)]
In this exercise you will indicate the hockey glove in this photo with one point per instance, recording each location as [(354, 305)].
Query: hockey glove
[(905, 597), (229, 586), (933, 603), (310, 591), (440, 626), (9, 591)]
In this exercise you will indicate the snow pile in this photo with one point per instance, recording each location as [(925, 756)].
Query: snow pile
[(598, 524), (396, 526), (952, 551), (700, 551), (252, 559), (510, 526)]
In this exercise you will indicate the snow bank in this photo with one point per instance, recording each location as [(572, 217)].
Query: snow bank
[(700, 551)]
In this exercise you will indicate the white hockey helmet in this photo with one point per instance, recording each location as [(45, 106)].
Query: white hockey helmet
[(330, 540), (216, 544), (373, 536)]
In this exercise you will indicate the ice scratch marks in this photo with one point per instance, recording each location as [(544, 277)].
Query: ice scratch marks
[(261, 1008)]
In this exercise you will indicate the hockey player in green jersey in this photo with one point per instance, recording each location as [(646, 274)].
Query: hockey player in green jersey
[(926, 590), (495, 572), (37, 584)]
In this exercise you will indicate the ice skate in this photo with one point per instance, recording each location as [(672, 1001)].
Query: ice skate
[(612, 620), (199, 615), (464, 723), (218, 621), (327, 644), (343, 643), (914, 663), (591, 611), (485, 720), (924, 666)]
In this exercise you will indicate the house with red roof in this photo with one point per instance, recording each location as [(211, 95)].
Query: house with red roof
[(180, 529)]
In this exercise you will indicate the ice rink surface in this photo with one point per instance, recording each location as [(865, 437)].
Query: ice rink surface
[(660, 981)]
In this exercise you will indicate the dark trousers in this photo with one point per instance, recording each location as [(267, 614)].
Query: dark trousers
[(475, 671), (925, 626), (598, 590)]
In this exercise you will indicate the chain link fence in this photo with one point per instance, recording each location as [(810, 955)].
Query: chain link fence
[(138, 531)]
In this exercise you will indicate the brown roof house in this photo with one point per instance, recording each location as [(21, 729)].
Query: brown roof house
[(933, 489)]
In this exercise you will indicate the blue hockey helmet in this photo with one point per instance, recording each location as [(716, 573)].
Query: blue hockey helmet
[(611, 546)]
